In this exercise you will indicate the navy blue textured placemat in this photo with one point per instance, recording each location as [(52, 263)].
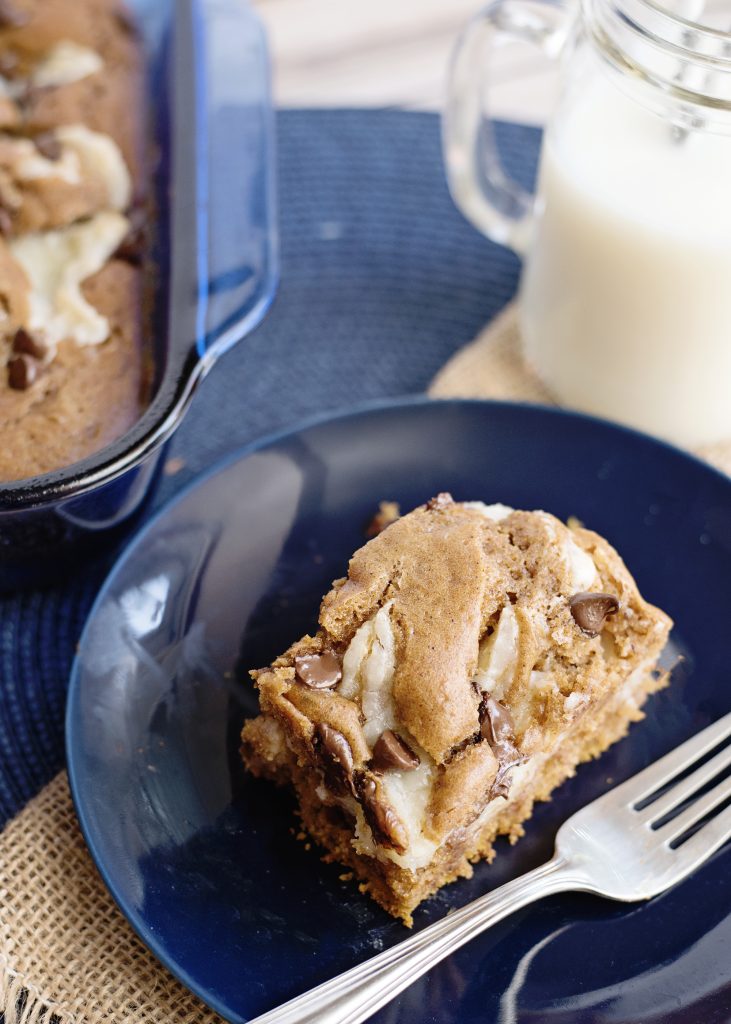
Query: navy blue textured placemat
[(382, 281)]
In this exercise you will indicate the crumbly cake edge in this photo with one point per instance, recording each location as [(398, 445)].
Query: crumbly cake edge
[(400, 891)]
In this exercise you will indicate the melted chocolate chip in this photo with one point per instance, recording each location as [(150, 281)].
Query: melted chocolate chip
[(30, 94), (318, 671), (497, 727), (390, 751), (10, 16), (48, 145), (22, 372), (25, 343), (336, 758), (384, 823), (132, 247), (441, 501), (126, 22), (590, 610)]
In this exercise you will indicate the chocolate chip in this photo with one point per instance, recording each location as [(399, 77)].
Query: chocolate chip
[(502, 783), (390, 751), (48, 145), (22, 372), (132, 247), (10, 16), (441, 501), (29, 95), (590, 610), (6, 223), (126, 21), (29, 344), (498, 728), (386, 826), (496, 724), (336, 758), (318, 671)]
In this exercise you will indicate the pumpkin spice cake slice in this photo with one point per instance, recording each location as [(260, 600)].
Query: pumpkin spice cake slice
[(473, 656)]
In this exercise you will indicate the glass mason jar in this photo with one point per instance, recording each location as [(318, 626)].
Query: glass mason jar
[(625, 298)]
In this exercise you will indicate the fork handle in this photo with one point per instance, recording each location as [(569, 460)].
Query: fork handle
[(355, 995)]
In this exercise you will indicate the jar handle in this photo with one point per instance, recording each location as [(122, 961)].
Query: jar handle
[(496, 204)]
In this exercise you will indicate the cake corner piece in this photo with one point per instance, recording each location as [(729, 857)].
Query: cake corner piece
[(473, 656)]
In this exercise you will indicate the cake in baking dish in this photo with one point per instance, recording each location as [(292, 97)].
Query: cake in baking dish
[(72, 193), (473, 656)]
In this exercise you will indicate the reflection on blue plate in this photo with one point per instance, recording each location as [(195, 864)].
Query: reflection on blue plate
[(205, 862)]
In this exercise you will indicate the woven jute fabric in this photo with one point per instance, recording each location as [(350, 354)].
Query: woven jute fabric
[(491, 367), (66, 952)]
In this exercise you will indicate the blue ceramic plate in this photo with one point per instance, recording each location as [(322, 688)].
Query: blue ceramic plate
[(205, 862)]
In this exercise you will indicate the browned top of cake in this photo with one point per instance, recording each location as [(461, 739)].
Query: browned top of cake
[(57, 420), (439, 612), (448, 571), (465, 641), (72, 144), (109, 98)]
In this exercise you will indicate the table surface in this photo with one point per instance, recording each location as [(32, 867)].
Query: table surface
[(331, 53), (339, 53)]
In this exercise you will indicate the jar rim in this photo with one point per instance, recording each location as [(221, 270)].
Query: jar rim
[(722, 36), (687, 60)]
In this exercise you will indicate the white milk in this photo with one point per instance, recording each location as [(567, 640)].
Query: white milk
[(626, 297)]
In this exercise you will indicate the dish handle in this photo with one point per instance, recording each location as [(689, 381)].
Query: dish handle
[(221, 98)]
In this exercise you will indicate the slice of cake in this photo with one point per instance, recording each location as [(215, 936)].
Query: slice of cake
[(473, 656)]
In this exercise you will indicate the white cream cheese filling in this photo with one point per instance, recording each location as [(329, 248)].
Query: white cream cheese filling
[(98, 155), (369, 665), (56, 264), (580, 565), (368, 669), (498, 655), (496, 512), (409, 794), (84, 153), (28, 164), (65, 63)]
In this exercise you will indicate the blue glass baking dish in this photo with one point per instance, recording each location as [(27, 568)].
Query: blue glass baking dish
[(215, 255)]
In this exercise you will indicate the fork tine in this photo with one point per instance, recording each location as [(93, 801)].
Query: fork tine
[(709, 838), (682, 791), (659, 772), (697, 810)]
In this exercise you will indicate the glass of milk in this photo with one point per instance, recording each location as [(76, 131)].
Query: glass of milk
[(625, 299)]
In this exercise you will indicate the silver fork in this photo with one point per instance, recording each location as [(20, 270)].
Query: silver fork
[(622, 846)]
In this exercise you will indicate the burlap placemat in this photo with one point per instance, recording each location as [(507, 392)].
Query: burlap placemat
[(68, 956), (491, 367), (67, 953)]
